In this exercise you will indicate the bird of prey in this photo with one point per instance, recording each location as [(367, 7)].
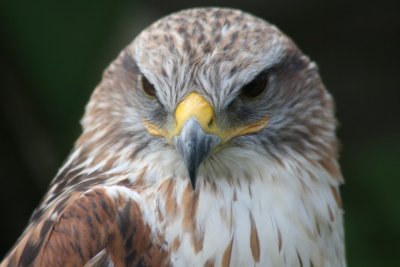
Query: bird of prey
[(210, 141)]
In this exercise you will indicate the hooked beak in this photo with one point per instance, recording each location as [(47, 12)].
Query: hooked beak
[(196, 132), (195, 146)]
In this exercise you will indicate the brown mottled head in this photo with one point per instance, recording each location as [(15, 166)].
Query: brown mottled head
[(200, 82)]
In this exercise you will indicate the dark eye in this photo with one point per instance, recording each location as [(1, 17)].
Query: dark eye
[(256, 86), (148, 88)]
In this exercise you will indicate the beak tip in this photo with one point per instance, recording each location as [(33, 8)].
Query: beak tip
[(193, 176), (193, 183)]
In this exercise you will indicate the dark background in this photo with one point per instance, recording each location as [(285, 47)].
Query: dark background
[(52, 54)]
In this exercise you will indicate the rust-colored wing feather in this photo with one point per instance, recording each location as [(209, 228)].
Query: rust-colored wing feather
[(93, 228)]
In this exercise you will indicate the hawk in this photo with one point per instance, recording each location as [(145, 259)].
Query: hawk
[(210, 141)]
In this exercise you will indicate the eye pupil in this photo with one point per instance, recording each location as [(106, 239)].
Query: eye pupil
[(256, 86), (148, 88)]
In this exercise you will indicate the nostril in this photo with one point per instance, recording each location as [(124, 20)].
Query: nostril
[(210, 122)]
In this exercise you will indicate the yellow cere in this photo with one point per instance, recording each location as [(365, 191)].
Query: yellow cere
[(196, 106)]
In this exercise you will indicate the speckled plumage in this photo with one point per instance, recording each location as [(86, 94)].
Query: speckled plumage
[(265, 198)]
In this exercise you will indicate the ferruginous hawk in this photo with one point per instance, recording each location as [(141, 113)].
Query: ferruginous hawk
[(210, 141)]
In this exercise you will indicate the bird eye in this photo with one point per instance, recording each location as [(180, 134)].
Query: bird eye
[(148, 88), (256, 86)]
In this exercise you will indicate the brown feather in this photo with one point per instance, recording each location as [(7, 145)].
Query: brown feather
[(90, 223)]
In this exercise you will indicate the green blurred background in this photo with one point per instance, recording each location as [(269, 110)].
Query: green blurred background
[(52, 54)]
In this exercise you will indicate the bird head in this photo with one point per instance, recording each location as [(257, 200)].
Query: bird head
[(203, 81)]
